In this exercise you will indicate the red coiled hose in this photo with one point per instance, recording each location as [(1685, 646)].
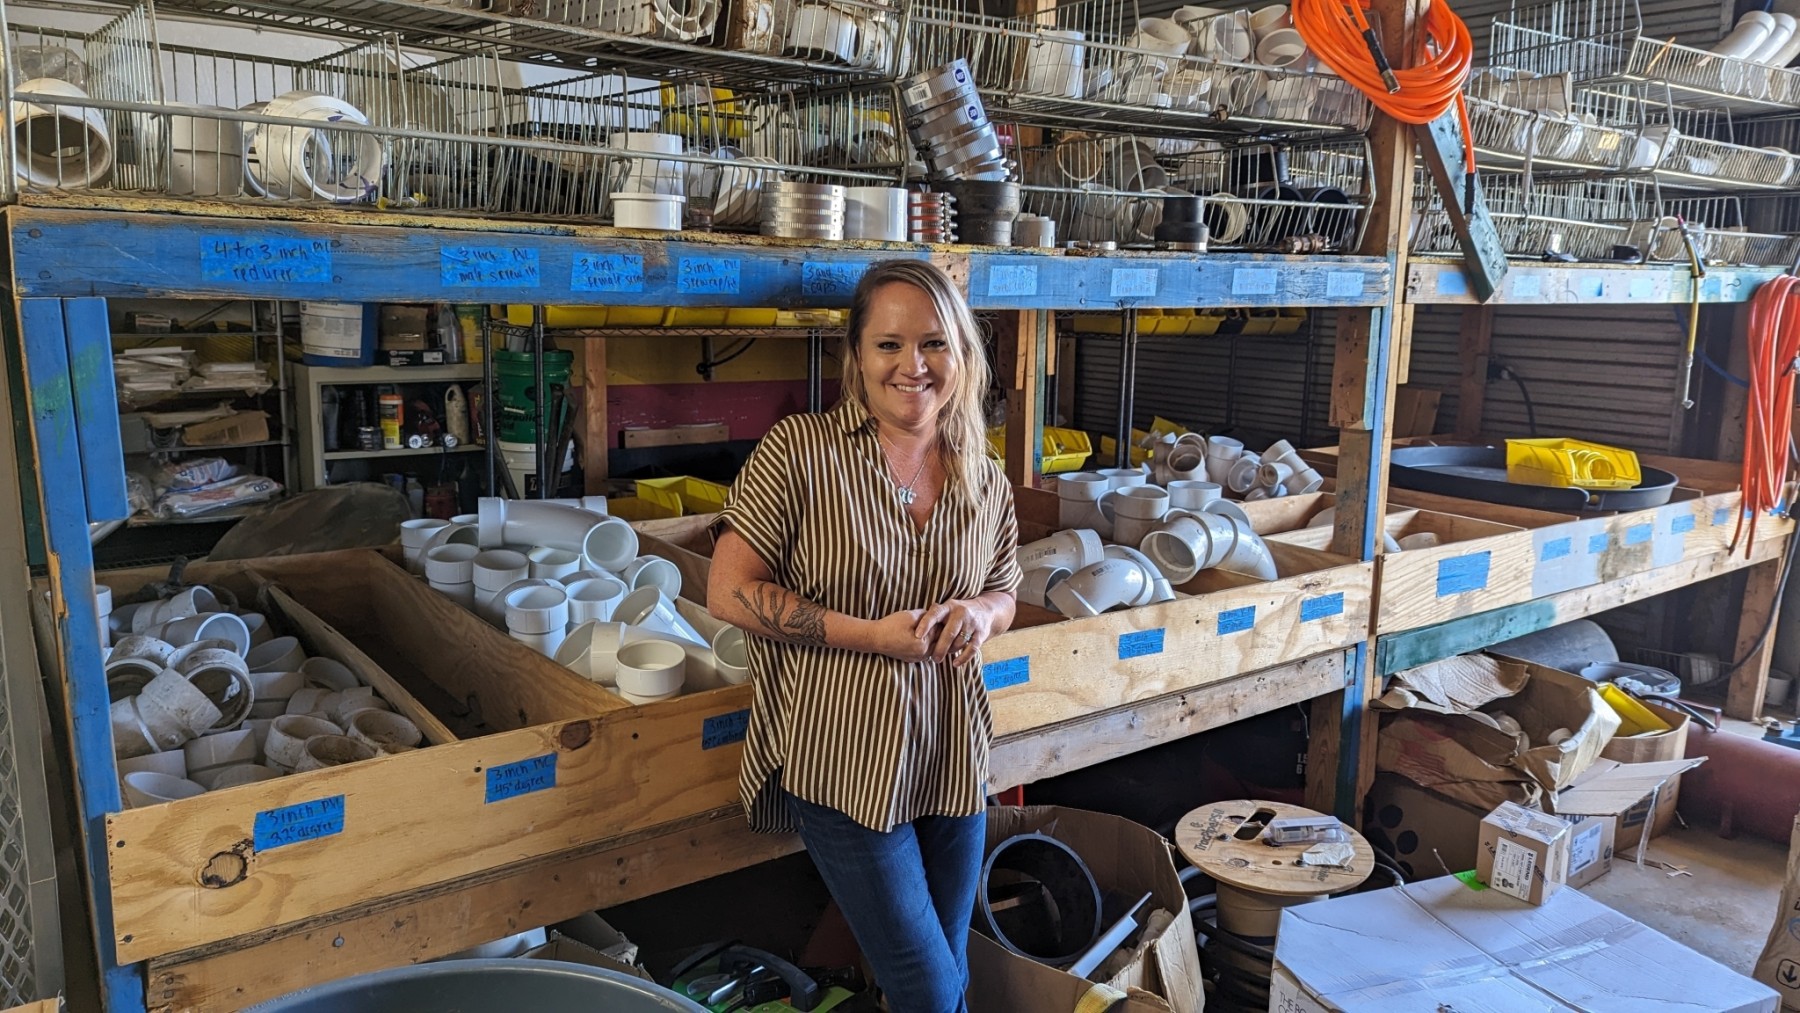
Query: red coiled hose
[(1773, 338)]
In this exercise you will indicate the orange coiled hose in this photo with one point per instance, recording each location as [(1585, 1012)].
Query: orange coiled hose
[(1773, 337), (1429, 81)]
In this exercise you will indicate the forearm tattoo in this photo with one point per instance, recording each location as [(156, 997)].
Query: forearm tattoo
[(784, 613)]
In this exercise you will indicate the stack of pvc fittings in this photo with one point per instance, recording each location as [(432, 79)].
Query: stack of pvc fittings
[(949, 125), (1074, 573), (803, 210), (198, 691), (58, 147), (610, 652), (1276, 472), (931, 217)]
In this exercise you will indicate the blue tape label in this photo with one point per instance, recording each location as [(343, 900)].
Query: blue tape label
[(1255, 281), (607, 272), (302, 821), (1721, 516), (1462, 574), (1598, 543), (708, 275), (1451, 282), (997, 675), (1638, 534), (1133, 282), (510, 780), (1322, 607), (1556, 548), (724, 729), (1012, 280), (1682, 525), (1710, 288), (1640, 288), (1237, 620), (1527, 285), (265, 260), (1345, 284), (488, 267), (823, 278), (1590, 286), (1136, 645)]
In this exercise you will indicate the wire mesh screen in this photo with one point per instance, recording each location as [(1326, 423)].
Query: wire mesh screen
[(18, 962)]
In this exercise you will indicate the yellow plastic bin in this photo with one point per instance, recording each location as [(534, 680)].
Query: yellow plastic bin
[(636, 508), (1571, 463), (684, 494), (519, 315)]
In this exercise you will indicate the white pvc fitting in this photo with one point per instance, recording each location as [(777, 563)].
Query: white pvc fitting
[(1108, 584), (131, 737), (591, 650), (126, 677), (1034, 589), (1243, 474), (175, 710), (414, 532), (221, 749), (731, 655), (276, 686), (323, 751), (1121, 478), (1305, 480), (313, 700), (1250, 554), (652, 571), (1156, 586), (451, 564), (328, 673), (1178, 547), (149, 788), (496, 568), (352, 702), (147, 649), (536, 522), (191, 601), (205, 626), (593, 504), (1260, 492), (258, 625), (537, 610), (1277, 450), (231, 777), (221, 676), (172, 763), (611, 545), (1273, 473), (649, 608), (594, 599), (451, 534), (551, 563), (651, 669), (1132, 530), (543, 643), (285, 745), (472, 519), (1420, 540), (1070, 549), (1082, 485), (385, 732), (1192, 494), (461, 594), (103, 596), (492, 605), (1079, 514), (1138, 502)]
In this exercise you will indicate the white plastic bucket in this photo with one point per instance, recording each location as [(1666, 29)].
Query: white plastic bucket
[(331, 334)]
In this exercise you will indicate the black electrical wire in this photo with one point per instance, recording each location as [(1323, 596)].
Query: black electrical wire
[(1530, 409), (708, 365)]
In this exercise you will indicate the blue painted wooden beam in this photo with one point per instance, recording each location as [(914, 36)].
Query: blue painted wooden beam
[(125, 254), (52, 401), (89, 338), (1440, 282)]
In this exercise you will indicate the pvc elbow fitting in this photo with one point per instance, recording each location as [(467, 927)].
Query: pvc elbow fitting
[(1070, 549), (1108, 584), (607, 542), (1250, 555), (1152, 576), (1035, 588)]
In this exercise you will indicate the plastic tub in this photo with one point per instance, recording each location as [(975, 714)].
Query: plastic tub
[(485, 986)]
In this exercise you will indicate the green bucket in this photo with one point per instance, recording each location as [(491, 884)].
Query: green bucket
[(515, 374)]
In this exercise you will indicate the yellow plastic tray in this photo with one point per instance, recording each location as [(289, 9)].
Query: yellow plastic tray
[(1065, 450), (1098, 323), (635, 508), (1634, 717), (683, 493), (695, 316), (1571, 463), (519, 315)]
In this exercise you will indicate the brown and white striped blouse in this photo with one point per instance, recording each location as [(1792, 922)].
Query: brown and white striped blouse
[(881, 740)]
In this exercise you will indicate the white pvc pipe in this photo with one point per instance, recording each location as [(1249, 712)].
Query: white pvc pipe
[(731, 655), (1108, 584), (1156, 586), (648, 607), (1250, 555), (531, 522), (1178, 547), (653, 571), (651, 669)]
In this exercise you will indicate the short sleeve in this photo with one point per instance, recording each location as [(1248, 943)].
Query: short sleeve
[(761, 506), (1003, 570)]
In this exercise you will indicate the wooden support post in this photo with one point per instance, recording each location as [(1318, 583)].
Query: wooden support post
[(1484, 258), (1754, 652), (1025, 339), (1477, 340), (1341, 761), (595, 448)]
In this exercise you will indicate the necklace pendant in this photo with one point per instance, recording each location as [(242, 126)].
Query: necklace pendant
[(906, 495)]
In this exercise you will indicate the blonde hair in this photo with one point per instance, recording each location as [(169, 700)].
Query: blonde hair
[(962, 432)]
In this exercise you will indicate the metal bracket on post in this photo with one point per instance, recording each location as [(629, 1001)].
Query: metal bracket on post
[(1484, 259)]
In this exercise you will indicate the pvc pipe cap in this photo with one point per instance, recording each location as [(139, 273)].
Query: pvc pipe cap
[(451, 564), (537, 610), (651, 668)]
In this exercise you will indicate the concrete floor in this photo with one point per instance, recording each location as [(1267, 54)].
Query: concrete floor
[(1722, 908)]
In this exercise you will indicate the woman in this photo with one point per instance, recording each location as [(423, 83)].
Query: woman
[(870, 552)]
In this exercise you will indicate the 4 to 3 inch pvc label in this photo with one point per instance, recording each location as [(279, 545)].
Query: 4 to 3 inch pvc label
[(1237, 620), (1462, 574), (1322, 607), (488, 267), (724, 729), (1002, 674), (265, 260), (708, 275), (1136, 645), (522, 777), (302, 821), (606, 272)]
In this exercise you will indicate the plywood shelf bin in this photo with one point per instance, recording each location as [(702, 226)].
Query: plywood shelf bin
[(550, 763), (1532, 554), (1050, 669)]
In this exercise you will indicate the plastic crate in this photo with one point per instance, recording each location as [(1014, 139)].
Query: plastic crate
[(683, 494), (1205, 322), (1571, 464), (1065, 450), (519, 315), (636, 508)]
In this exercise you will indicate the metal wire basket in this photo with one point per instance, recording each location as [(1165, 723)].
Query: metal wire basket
[(1090, 64), (1604, 40), (1720, 230), (1699, 152), (1595, 130), (1585, 219)]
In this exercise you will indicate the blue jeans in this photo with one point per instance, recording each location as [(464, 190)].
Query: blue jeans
[(907, 895)]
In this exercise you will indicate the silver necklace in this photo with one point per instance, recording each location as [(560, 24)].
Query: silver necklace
[(905, 492)]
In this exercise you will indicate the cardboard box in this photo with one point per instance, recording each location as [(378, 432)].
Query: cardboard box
[(1442, 732), (1622, 794), (1426, 833), (561, 947), (1445, 946), (1669, 745), (402, 327), (236, 428), (1591, 841), (1126, 859), (1523, 853)]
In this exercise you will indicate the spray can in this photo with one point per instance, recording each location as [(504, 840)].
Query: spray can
[(393, 417)]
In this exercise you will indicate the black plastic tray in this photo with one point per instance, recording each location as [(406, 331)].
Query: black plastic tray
[(1480, 473)]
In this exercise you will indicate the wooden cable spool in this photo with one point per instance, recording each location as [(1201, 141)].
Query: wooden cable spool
[(1257, 881)]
